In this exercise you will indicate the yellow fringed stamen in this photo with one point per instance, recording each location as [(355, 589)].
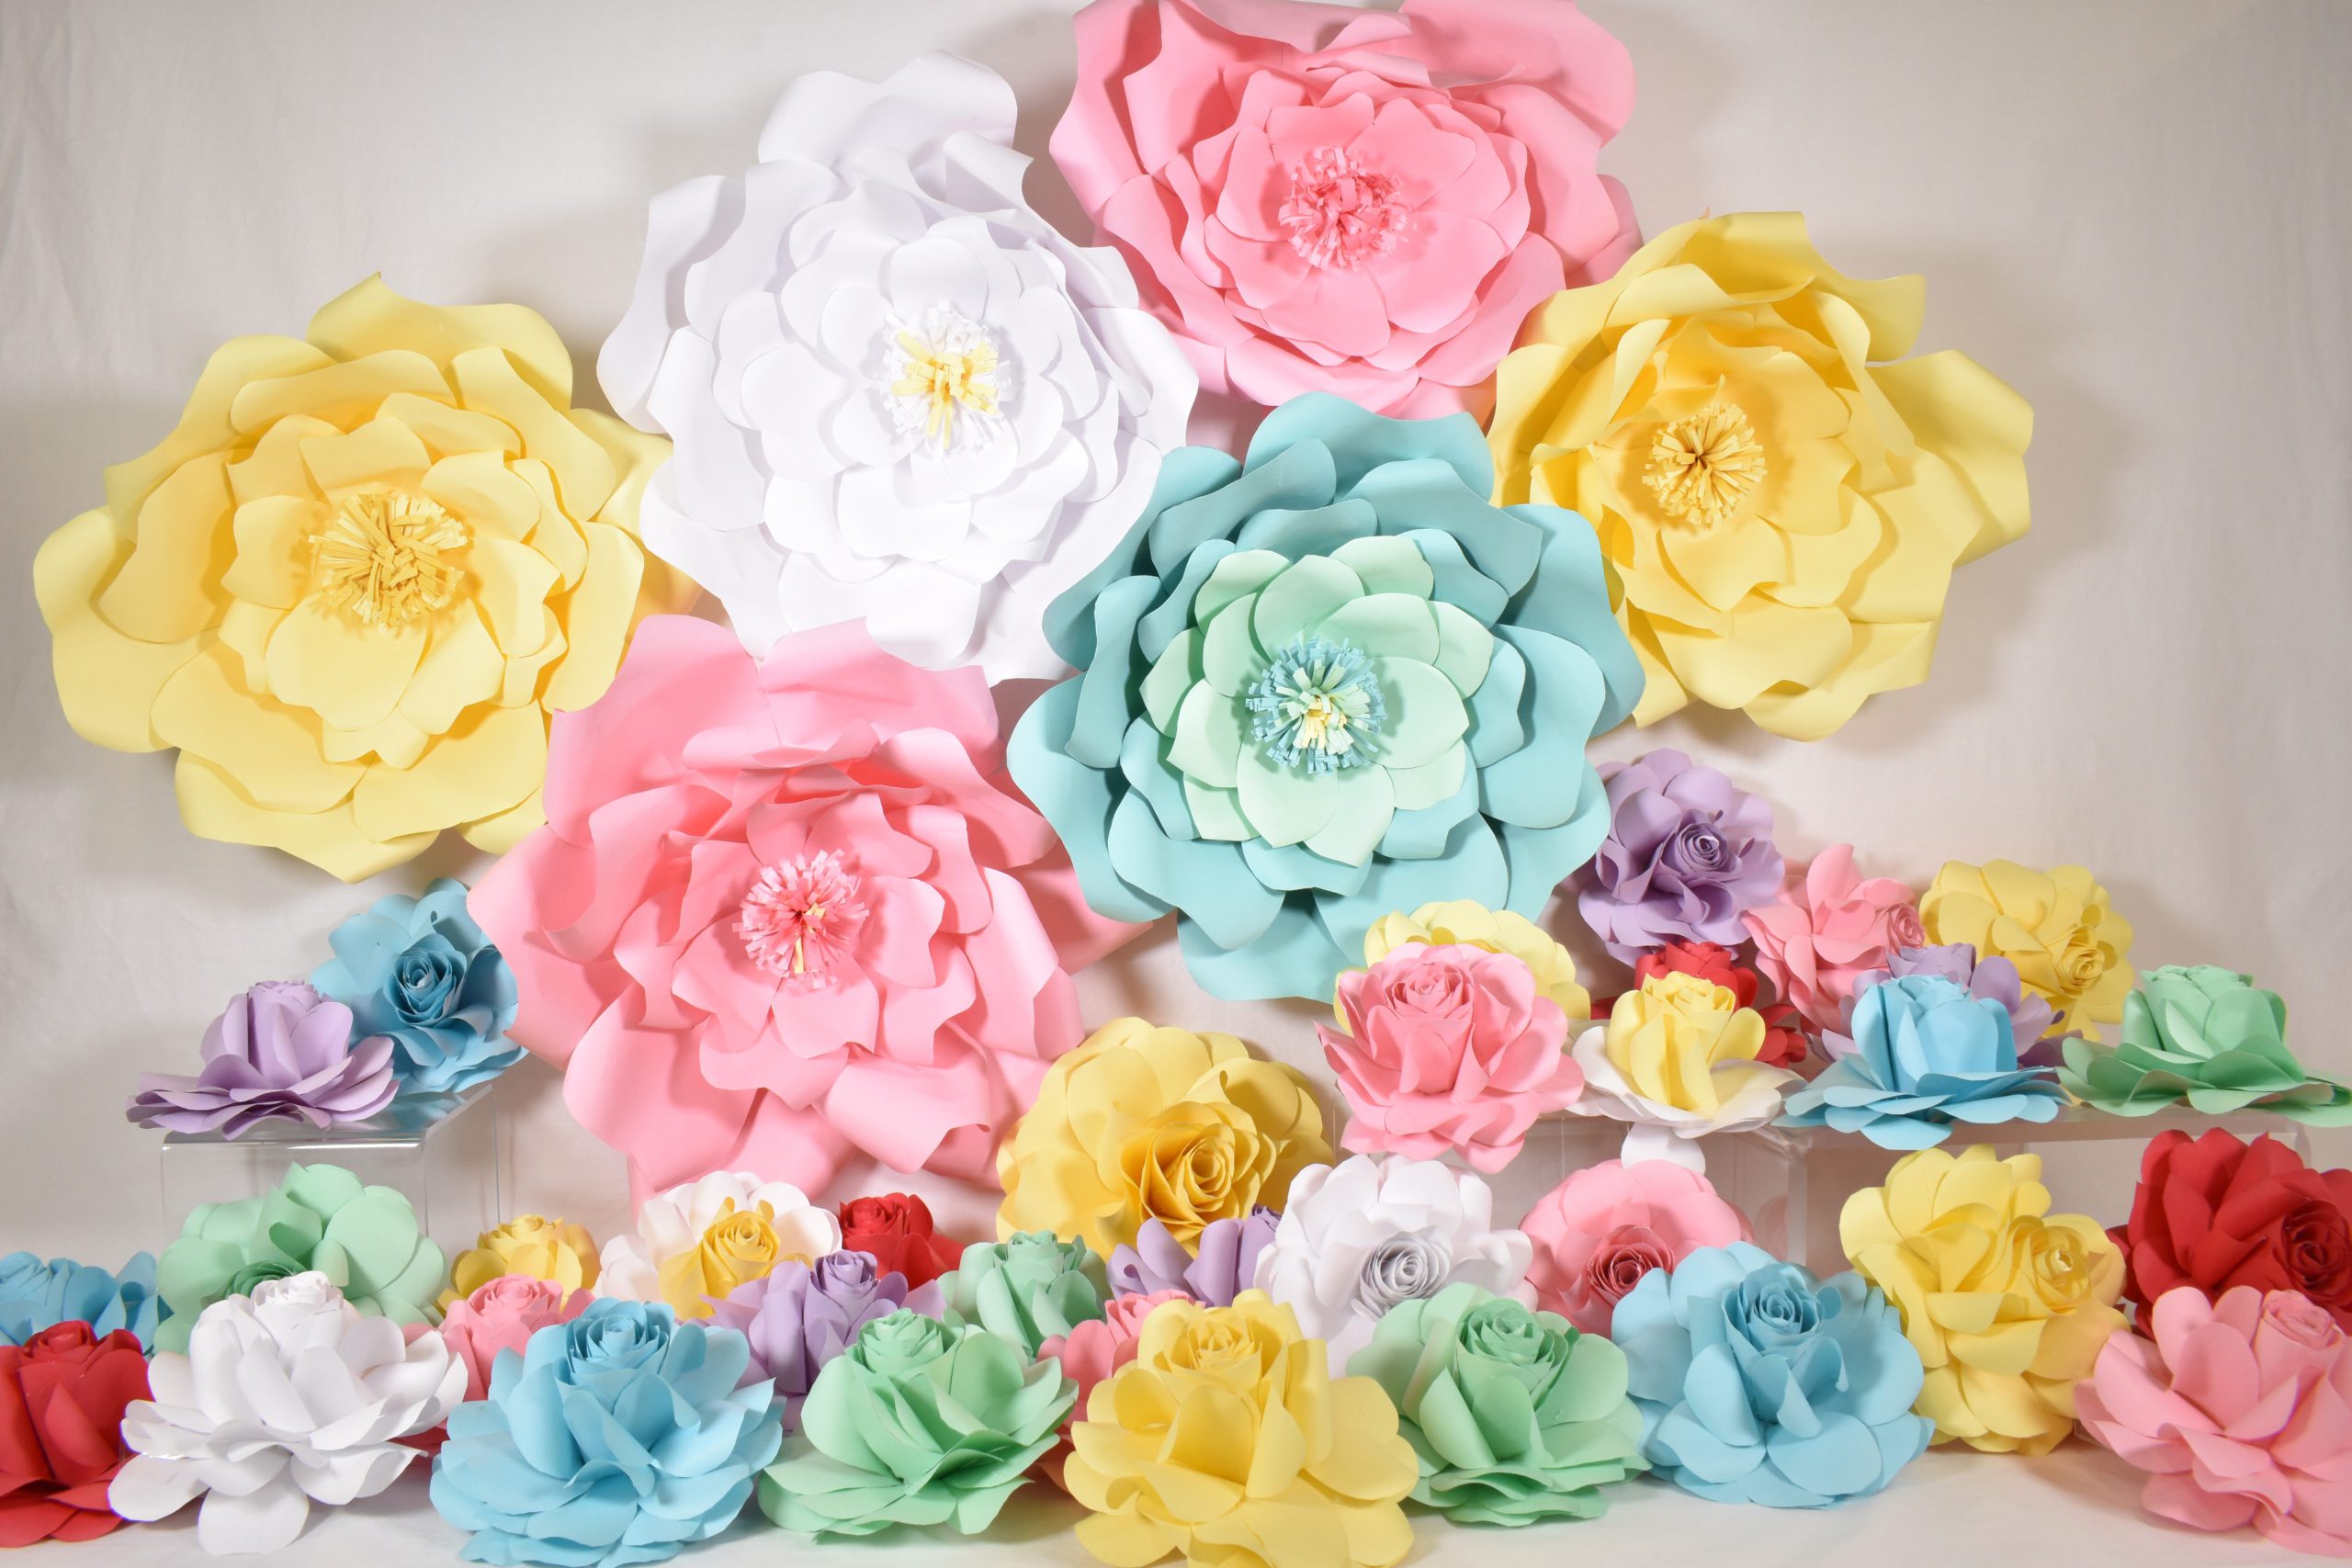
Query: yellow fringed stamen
[(383, 560), (946, 380), (1703, 466)]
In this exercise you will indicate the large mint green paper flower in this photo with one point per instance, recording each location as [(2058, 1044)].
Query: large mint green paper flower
[(2210, 1037), (1324, 683)]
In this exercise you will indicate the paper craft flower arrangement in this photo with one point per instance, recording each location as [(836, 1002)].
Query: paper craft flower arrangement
[(787, 910), (1323, 684), (354, 583), (1781, 506), (898, 396), (1320, 198)]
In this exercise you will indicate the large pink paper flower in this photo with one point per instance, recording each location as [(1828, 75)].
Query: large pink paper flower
[(1600, 1231), (788, 910), (1448, 1048), (1828, 929), (2240, 1411), (1321, 198)]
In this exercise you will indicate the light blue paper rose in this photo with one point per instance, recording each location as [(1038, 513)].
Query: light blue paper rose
[(1324, 683), (615, 1438), (420, 971), (1759, 1383), (1924, 1055), (35, 1295)]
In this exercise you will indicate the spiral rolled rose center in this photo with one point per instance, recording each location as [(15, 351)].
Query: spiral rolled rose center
[(2316, 1246), (1703, 467), (2061, 1270), (1218, 1347), (2302, 1321), (800, 921), (1402, 1269), (1696, 848), (385, 561), (2080, 963), (1341, 212), (943, 380), (1318, 707), (1623, 1256)]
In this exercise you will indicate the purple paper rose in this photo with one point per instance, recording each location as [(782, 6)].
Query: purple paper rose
[(1229, 1256), (799, 1317), (1687, 854), (2031, 1019), (281, 1050)]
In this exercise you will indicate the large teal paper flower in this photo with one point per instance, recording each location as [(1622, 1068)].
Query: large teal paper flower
[(1923, 1056), (1323, 683)]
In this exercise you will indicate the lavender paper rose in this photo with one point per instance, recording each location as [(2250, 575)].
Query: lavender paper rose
[(1229, 1256), (799, 1317), (281, 1050), (1687, 854)]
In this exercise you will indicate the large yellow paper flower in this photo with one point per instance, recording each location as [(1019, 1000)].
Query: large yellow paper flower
[(529, 1245), (1145, 1123), (2070, 948), (1459, 922), (2007, 1303), (1226, 1438), (355, 581), (1782, 514)]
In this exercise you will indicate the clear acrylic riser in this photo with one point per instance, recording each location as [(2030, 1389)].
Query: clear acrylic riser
[(440, 1151), (1791, 1184)]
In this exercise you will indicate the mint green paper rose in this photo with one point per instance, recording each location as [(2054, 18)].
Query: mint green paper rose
[(1324, 682), (1516, 1416), (363, 1238), (1027, 1289), (917, 1423), (2207, 1036)]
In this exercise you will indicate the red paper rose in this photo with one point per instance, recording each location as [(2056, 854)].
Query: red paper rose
[(1785, 1037), (896, 1230), (61, 1398), (2216, 1213)]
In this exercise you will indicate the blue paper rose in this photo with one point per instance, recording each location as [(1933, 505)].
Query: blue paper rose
[(35, 1295), (1759, 1383), (615, 1438), (420, 971), (1924, 1054), (1324, 683)]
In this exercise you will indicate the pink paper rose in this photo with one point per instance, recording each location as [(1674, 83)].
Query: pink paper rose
[(1321, 198), (2240, 1409), (790, 910), (1448, 1048), (1600, 1231), (1091, 1352), (502, 1315), (1828, 929)]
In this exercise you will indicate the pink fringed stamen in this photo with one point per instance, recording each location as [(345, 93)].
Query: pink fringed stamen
[(801, 919), (1339, 212)]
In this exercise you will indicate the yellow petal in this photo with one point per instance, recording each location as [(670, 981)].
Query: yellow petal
[(489, 762), (511, 584), (370, 317), (344, 394), (274, 466), (596, 618), (461, 667), (501, 830), (105, 681), (273, 562), (213, 808), (169, 585), (449, 432), (205, 425), (350, 673), (382, 454), (276, 754), (584, 473)]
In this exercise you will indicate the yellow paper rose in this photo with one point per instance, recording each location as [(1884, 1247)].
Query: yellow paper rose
[(739, 1246), (2070, 948), (1781, 513), (355, 581), (1142, 1123), (1228, 1439), (1683, 1041), (2006, 1302), (1458, 922), (532, 1246)]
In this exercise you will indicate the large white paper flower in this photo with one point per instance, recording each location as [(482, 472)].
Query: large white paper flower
[(286, 1397), (896, 393), (704, 1237), (1358, 1237)]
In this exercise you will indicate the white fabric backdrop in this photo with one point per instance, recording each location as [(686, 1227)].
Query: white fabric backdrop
[(2135, 210)]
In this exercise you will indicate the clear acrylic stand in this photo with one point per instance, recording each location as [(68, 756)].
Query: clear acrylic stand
[(440, 1151)]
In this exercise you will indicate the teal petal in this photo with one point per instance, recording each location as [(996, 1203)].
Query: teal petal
[(1187, 472), (1243, 571), (1422, 832), (1360, 441), (1431, 495), (1078, 801), (1167, 869), (1316, 531), (1161, 785)]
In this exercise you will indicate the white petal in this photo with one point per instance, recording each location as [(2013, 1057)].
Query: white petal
[(262, 1520)]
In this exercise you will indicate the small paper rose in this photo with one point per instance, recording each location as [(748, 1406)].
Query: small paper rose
[(1686, 857), (702, 1239), (1603, 1227), (1679, 1060), (35, 1295), (1785, 1043), (1221, 1265), (897, 1232), (1027, 1289), (897, 395), (2031, 1020), (278, 1050), (1363, 202), (2240, 1409), (501, 1314), (2069, 945), (2215, 1214), (420, 972), (1828, 928), (1360, 1236), (1458, 922), (800, 1315), (2206, 1037), (63, 1391), (1448, 1050), (529, 1245), (1924, 1055)]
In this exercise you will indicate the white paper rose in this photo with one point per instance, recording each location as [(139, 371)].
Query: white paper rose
[(286, 1397), (896, 393), (1358, 1237), (704, 1237)]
